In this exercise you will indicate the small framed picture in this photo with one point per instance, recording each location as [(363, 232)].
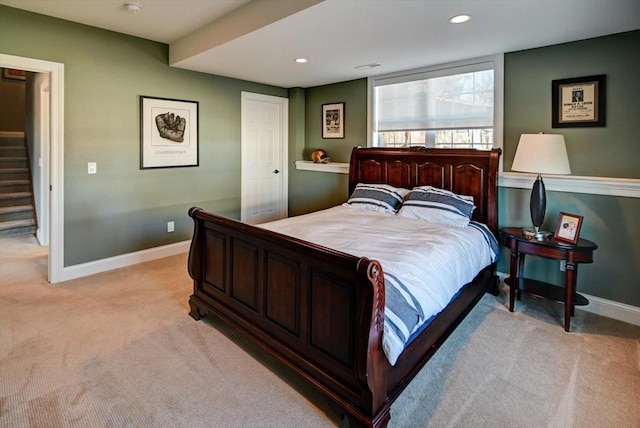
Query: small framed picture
[(568, 227), (578, 102), (333, 120)]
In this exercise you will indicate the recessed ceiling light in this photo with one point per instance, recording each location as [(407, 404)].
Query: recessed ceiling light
[(301, 60), (367, 66), (459, 19)]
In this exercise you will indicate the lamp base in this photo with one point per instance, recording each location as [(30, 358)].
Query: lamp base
[(539, 235)]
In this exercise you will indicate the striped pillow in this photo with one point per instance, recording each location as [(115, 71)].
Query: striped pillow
[(437, 205), (377, 197)]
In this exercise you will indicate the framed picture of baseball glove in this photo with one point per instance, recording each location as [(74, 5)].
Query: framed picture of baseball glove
[(168, 133)]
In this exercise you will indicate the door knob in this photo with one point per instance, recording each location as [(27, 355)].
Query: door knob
[(275, 171)]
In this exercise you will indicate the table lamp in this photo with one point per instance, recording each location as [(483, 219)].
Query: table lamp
[(540, 154)]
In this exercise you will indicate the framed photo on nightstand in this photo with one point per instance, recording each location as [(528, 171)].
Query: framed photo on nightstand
[(568, 227)]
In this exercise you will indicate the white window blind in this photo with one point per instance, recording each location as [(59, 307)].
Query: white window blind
[(446, 106)]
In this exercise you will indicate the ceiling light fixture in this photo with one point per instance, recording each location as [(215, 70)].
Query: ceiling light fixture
[(301, 60), (459, 19), (132, 7)]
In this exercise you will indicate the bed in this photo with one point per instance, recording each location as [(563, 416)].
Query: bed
[(321, 311)]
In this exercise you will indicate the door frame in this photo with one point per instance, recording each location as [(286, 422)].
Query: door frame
[(42, 204), (284, 154), (55, 179)]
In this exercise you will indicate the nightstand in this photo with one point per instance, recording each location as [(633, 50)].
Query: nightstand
[(572, 254)]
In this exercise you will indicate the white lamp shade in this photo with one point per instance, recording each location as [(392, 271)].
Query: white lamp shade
[(541, 154)]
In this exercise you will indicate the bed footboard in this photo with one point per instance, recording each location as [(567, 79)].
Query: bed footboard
[(319, 311)]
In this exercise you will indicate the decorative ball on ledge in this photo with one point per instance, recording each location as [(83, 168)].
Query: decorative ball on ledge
[(320, 156)]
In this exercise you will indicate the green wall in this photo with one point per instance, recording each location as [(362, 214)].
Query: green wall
[(312, 190), (123, 208), (613, 151)]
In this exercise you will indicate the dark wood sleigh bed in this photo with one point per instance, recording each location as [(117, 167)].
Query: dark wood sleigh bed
[(321, 311)]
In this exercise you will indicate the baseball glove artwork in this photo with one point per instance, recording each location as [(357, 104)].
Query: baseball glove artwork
[(171, 126)]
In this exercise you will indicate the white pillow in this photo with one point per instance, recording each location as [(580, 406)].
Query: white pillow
[(377, 197), (437, 205)]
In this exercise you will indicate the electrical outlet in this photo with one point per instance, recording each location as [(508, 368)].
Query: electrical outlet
[(92, 168), (563, 265), (171, 226)]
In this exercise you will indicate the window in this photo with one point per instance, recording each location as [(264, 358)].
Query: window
[(449, 106)]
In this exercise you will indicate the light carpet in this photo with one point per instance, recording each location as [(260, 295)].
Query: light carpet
[(119, 349)]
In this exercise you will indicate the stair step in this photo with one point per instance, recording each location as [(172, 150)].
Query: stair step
[(12, 186), (17, 212), (14, 174), (15, 209), (14, 195), (17, 227), (9, 151), (15, 198), (4, 225), (11, 141), (9, 183), (13, 162)]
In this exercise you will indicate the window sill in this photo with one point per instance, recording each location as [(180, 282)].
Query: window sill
[(333, 167)]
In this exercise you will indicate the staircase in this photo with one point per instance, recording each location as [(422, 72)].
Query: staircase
[(17, 216)]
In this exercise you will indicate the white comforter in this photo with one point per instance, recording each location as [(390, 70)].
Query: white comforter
[(424, 263)]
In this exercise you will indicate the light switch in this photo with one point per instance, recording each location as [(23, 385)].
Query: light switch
[(92, 167)]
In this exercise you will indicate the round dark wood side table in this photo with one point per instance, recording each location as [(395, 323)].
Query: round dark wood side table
[(550, 248)]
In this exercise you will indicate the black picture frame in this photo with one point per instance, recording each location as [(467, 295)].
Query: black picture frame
[(579, 102), (169, 132), (333, 120)]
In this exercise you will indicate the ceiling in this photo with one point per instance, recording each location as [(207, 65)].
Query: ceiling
[(258, 40)]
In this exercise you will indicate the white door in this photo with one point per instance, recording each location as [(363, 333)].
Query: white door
[(264, 190)]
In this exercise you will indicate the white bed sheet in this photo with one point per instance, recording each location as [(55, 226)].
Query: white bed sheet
[(432, 261)]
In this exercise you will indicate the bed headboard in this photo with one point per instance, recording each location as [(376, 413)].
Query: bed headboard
[(463, 171)]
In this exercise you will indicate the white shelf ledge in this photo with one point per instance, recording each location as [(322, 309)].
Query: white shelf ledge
[(333, 167), (607, 186)]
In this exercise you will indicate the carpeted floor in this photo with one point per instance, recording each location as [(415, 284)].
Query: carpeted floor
[(119, 349)]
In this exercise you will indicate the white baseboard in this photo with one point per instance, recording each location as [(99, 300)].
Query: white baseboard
[(606, 308), (123, 260), (611, 309)]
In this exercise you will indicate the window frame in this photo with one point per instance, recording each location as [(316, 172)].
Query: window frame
[(440, 70)]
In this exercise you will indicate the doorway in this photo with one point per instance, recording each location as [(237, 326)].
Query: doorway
[(51, 182), (264, 181)]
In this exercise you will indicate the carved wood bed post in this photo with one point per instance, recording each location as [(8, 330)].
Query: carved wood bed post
[(374, 409), (376, 360)]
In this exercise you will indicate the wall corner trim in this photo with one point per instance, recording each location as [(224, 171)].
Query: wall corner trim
[(124, 260), (607, 186)]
